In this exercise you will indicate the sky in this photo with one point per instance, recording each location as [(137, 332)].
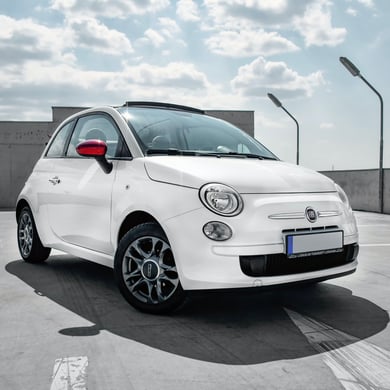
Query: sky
[(210, 54)]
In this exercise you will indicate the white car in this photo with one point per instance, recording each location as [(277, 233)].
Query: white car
[(175, 200)]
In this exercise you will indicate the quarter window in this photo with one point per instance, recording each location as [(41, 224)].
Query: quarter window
[(57, 146)]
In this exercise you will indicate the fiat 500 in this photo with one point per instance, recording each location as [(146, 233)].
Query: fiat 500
[(175, 200)]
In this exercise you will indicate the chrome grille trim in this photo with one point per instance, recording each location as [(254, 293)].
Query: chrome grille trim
[(333, 213), (287, 216), (301, 215)]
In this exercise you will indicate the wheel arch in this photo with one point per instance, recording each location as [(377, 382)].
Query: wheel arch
[(133, 219), (20, 205)]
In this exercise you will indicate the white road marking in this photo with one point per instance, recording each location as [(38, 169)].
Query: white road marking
[(70, 373), (358, 365), (379, 244)]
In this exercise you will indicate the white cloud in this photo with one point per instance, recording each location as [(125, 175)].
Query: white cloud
[(168, 27), (173, 75), (92, 34), (367, 3), (253, 13), (187, 10), (109, 8), (154, 37), (261, 76), (351, 11), (247, 43), (24, 40), (311, 18), (34, 84), (316, 26)]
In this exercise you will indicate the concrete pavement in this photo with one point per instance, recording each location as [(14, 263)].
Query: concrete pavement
[(65, 322)]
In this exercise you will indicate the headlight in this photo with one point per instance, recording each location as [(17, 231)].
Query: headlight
[(221, 199), (343, 196)]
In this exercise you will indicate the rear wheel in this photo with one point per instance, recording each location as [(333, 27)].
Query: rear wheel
[(30, 245), (145, 270)]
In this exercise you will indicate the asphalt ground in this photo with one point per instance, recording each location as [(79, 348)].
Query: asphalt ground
[(64, 325)]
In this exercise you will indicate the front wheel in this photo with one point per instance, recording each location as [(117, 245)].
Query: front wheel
[(30, 245), (145, 270)]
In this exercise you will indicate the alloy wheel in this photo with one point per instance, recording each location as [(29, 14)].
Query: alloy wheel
[(26, 234), (149, 270)]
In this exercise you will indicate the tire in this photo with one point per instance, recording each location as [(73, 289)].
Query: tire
[(29, 243), (145, 270)]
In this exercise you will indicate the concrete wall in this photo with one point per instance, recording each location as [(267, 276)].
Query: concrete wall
[(22, 143), (362, 188)]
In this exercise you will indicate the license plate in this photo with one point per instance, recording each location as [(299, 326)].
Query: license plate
[(308, 244)]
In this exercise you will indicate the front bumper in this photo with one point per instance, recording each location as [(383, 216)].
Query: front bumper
[(205, 264)]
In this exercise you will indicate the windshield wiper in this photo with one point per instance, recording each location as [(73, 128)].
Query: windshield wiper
[(178, 152), (247, 155)]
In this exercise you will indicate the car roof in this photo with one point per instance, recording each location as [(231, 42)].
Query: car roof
[(163, 105)]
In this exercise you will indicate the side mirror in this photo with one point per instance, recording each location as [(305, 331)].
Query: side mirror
[(97, 149)]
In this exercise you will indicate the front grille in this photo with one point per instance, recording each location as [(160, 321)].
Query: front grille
[(279, 264)]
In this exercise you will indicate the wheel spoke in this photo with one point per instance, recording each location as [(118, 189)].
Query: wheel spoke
[(160, 295), (149, 297), (136, 284), (130, 260), (174, 282), (168, 268), (136, 272), (143, 254), (165, 247)]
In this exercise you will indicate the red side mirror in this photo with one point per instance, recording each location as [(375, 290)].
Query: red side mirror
[(95, 148), (92, 148)]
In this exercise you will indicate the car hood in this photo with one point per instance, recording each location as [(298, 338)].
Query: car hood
[(247, 176)]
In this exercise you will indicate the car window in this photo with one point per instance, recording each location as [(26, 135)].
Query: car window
[(162, 129), (98, 126), (57, 146)]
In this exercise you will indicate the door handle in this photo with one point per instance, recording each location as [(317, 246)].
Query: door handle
[(55, 180)]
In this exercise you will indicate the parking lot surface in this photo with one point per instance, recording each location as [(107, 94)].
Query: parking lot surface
[(64, 325)]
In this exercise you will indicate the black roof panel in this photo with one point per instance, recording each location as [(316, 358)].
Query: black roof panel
[(163, 105)]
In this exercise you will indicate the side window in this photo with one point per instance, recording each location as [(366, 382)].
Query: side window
[(57, 146), (98, 126)]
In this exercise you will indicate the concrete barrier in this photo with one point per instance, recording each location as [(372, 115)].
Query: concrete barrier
[(362, 188)]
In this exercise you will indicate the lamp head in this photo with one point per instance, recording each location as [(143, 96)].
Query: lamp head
[(275, 100), (350, 66)]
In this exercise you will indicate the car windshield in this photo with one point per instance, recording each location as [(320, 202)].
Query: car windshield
[(166, 131)]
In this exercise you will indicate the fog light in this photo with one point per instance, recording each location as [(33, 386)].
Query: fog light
[(217, 231)]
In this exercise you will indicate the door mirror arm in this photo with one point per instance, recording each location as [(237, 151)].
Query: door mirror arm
[(104, 163)]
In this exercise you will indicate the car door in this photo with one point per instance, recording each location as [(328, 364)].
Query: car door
[(80, 210)]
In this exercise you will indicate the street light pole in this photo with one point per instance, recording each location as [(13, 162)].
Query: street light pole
[(356, 72), (277, 103)]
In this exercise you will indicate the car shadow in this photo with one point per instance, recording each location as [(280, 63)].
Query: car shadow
[(238, 327)]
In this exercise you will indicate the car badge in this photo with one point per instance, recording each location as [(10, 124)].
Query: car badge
[(311, 214)]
